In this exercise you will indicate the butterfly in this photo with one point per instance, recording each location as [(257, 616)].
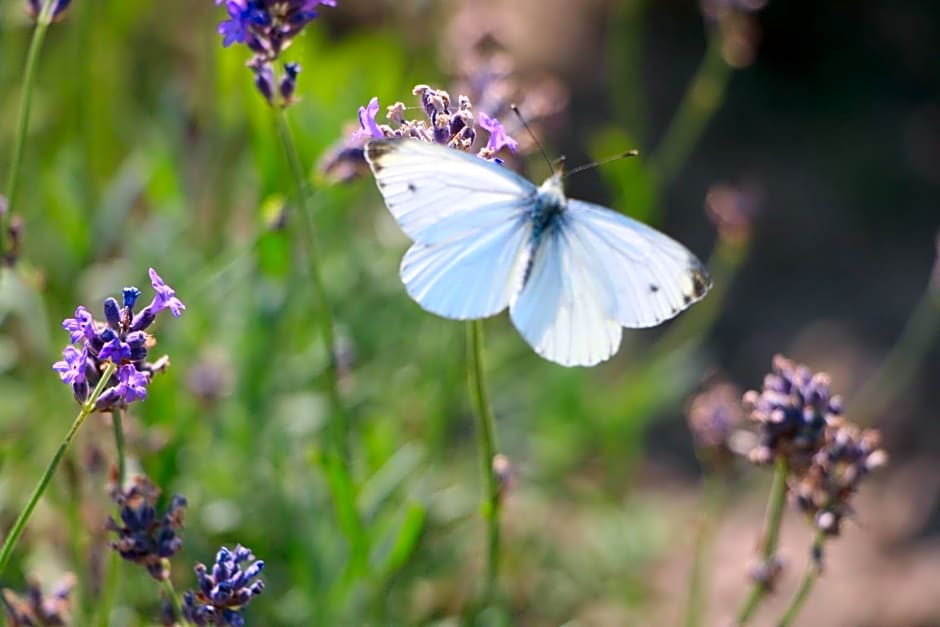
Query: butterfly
[(571, 273)]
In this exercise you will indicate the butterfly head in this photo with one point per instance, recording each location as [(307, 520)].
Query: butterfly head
[(552, 192)]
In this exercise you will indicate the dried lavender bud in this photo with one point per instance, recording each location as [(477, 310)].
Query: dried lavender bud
[(142, 537)]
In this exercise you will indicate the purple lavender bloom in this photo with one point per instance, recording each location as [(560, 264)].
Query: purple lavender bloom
[(498, 135), (368, 127), (143, 538), (71, 369), (166, 296), (222, 595), (121, 342), (81, 326), (267, 28), (235, 29), (36, 608)]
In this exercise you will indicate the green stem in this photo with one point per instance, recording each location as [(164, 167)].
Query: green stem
[(486, 439), (22, 126), (310, 250), (117, 423), (713, 501), (813, 570), (702, 98), (106, 602), (903, 363), (339, 425), (170, 592), (770, 539), (87, 408)]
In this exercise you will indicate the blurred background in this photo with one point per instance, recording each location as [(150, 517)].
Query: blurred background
[(796, 146)]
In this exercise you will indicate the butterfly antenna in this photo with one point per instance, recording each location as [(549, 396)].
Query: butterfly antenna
[(535, 139), (594, 164)]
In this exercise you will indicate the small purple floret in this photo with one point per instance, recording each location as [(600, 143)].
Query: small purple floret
[(81, 326), (166, 296), (132, 384), (498, 135), (368, 127), (71, 369)]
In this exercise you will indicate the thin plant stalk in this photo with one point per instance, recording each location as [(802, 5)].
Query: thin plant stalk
[(813, 569), (702, 98), (20, 524), (713, 500), (769, 540), (311, 253), (902, 364), (487, 446), (339, 424), (174, 599), (106, 602), (117, 424), (109, 592), (22, 125)]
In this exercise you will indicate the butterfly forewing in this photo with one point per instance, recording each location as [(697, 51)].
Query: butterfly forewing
[(468, 218), (424, 184), (651, 277)]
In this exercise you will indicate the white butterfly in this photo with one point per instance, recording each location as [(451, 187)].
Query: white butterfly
[(572, 273)]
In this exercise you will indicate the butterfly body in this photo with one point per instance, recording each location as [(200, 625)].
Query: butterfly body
[(571, 273)]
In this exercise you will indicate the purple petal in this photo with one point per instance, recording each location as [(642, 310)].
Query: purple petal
[(498, 136), (132, 384), (81, 326), (166, 296), (72, 369), (368, 127)]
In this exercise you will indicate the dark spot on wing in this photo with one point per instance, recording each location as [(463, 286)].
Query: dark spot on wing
[(653, 288), (701, 282), (376, 150), (412, 188), (686, 299)]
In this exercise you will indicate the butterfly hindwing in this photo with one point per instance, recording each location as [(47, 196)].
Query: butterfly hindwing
[(563, 309), (468, 277)]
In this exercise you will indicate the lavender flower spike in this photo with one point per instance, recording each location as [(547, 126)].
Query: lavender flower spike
[(223, 594), (120, 342)]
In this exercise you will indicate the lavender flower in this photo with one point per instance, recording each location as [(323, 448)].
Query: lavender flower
[(824, 490), (222, 595), (34, 8), (267, 28), (35, 610), (448, 124), (792, 412), (714, 417), (120, 340), (142, 537)]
